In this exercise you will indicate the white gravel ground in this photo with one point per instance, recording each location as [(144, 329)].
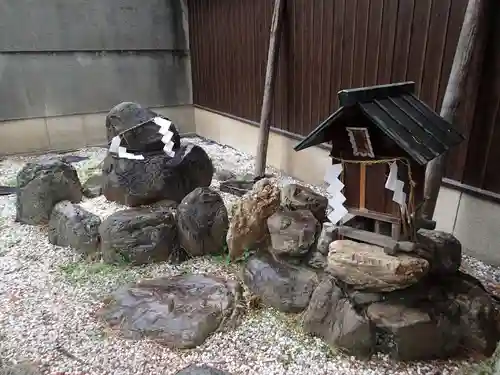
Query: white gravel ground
[(48, 297)]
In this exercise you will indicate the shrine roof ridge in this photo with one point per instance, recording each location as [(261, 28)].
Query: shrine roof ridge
[(397, 112)]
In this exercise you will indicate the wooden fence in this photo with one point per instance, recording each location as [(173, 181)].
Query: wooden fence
[(329, 45)]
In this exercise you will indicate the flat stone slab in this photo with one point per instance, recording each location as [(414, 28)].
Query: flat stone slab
[(366, 266), (177, 312)]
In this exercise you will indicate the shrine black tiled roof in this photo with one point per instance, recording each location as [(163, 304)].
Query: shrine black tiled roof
[(404, 118)]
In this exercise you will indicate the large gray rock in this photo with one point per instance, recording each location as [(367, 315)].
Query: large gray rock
[(178, 312), (292, 232), (285, 287), (124, 116), (331, 316), (442, 250), (158, 177), (298, 197), (140, 236), (42, 184), (408, 334), (71, 225), (364, 266), (201, 370), (202, 222)]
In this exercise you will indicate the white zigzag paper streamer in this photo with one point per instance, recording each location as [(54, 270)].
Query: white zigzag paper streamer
[(167, 135), (336, 200), (122, 152), (396, 186)]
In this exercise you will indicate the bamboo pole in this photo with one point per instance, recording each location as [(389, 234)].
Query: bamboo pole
[(272, 57), (472, 36)]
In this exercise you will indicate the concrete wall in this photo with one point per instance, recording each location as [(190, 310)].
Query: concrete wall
[(475, 222), (63, 61)]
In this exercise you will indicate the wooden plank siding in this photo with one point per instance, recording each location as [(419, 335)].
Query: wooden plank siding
[(329, 45)]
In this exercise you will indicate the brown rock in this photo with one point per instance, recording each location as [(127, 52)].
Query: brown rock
[(366, 266), (292, 232), (248, 224), (298, 197)]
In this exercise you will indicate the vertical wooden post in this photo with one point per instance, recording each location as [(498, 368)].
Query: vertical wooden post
[(362, 186), (472, 36), (272, 54)]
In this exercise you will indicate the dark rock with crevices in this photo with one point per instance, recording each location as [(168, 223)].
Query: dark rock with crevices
[(203, 222), (41, 185), (285, 287), (157, 177), (333, 317), (140, 236), (124, 117), (71, 225), (292, 232), (178, 312), (441, 249), (299, 197)]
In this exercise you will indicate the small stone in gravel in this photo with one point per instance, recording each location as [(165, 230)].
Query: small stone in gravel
[(202, 222), (140, 236), (71, 225), (178, 312), (201, 370), (286, 288), (40, 185), (224, 174), (92, 188)]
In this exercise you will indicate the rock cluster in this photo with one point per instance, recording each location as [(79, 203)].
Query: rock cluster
[(172, 215), (413, 304)]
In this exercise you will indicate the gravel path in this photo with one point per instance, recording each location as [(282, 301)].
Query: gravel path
[(48, 297)]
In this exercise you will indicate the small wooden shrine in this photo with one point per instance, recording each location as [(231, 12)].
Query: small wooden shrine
[(382, 138)]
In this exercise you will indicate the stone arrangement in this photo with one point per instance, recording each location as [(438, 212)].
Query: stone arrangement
[(48, 192), (412, 303)]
